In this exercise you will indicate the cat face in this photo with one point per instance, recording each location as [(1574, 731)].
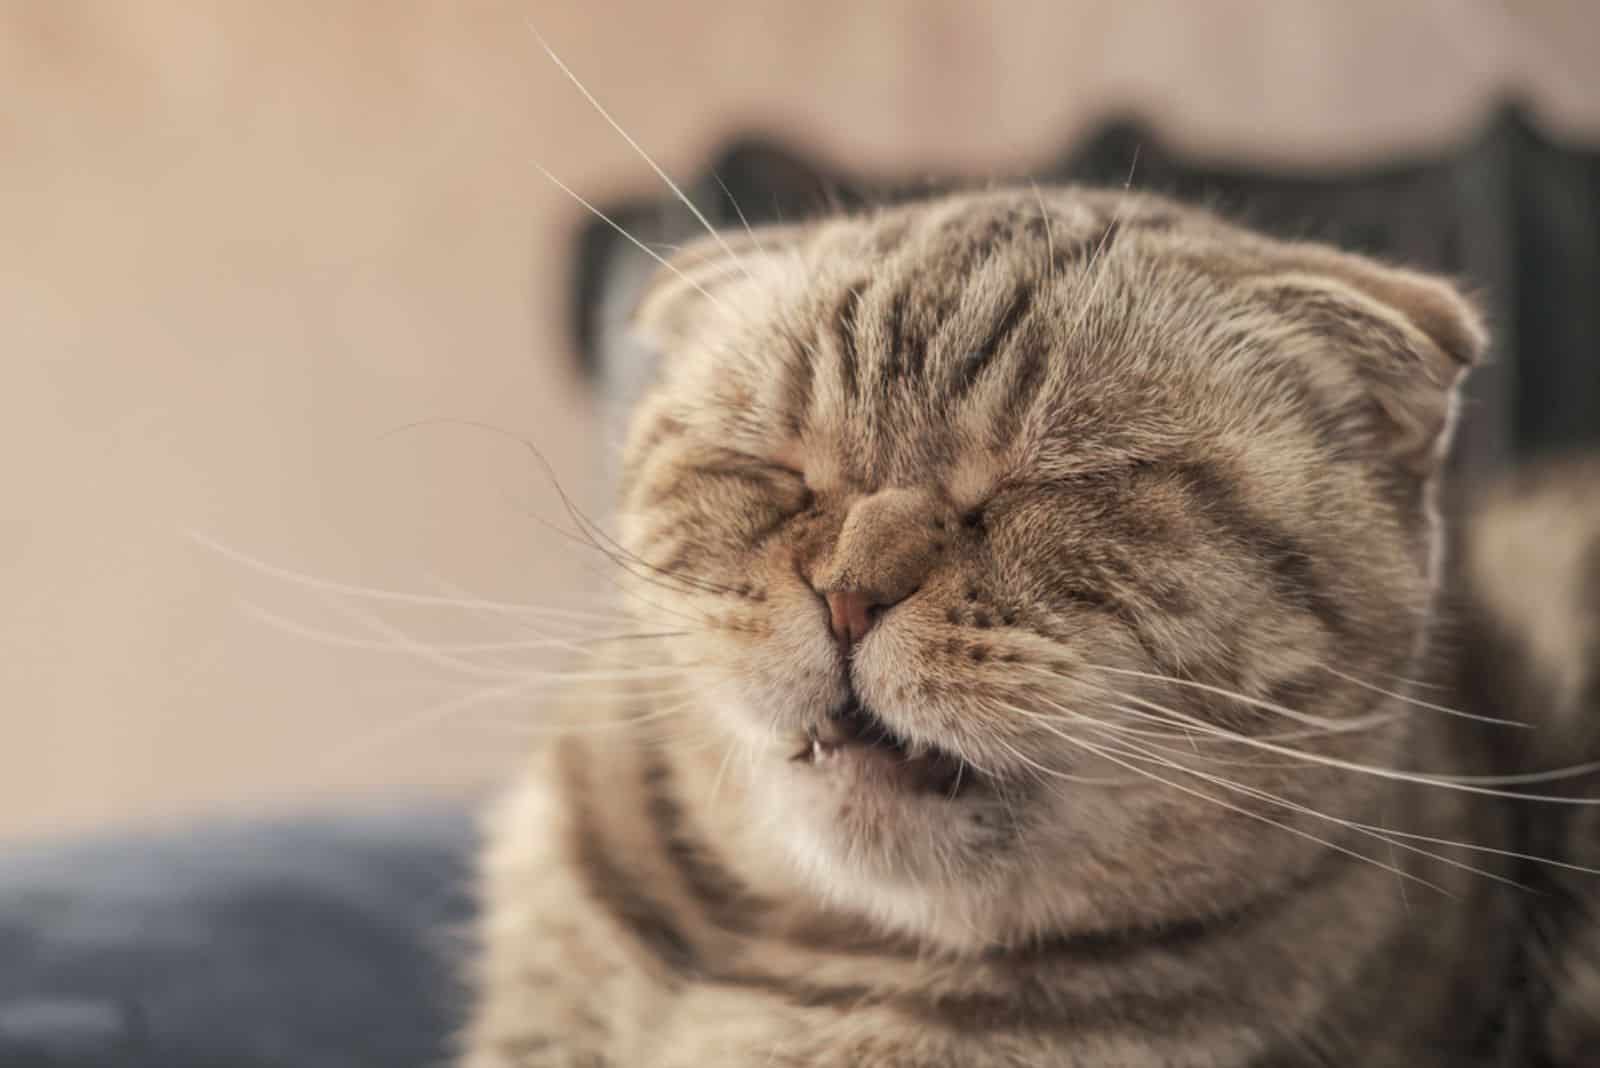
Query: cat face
[(1041, 552)]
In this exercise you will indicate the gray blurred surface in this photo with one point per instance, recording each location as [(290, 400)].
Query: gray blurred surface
[(333, 941)]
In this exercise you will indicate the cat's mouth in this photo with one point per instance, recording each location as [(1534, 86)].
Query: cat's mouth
[(854, 738)]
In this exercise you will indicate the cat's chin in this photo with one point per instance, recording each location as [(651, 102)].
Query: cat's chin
[(859, 805), (916, 862)]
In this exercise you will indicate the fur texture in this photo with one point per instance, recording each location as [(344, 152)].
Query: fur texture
[(1142, 508)]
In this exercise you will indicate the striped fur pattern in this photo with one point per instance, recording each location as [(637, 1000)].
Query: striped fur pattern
[(1143, 505)]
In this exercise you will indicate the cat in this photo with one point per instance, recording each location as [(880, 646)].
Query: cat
[(1054, 657)]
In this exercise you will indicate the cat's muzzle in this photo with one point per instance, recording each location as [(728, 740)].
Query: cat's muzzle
[(854, 734)]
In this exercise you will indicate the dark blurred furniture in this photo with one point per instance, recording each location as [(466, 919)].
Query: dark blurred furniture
[(328, 941)]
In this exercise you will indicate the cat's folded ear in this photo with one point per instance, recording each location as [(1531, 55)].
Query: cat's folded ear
[(1406, 339)]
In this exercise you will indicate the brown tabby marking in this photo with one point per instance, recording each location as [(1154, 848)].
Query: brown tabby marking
[(1117, 762)]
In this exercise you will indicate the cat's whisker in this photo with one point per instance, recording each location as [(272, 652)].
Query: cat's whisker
[(594, 534), (490, 656), (426, 718), (683, 197), (1487, 785), (645, 610), (606, 726), (583, 645), (1106, 754), (1154, 713), (1051, 773), (1418, 683), (588, 532), (1163, 761), (1388, 832), (640, 245), (524, 729), (401, 641), (1253, 702), (393, 639), (1224, 735), (1122, 730), (1367, 830), (1185, 725), (755, 239), (631, 674), (1079, 717), (589, 535), (1177, 730), (1473, 784), (1424, 704), (637, 597), (1194, 753), (1491, 850), (692, 692), (374, 593)]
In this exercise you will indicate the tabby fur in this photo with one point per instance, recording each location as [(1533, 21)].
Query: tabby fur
[(1145, 504)]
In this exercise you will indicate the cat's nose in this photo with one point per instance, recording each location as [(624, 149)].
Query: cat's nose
[(885, 548), (851, 614)]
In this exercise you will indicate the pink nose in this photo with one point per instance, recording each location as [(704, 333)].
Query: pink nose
[(851, 614)]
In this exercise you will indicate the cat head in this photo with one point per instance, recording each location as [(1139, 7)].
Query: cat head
[(1027, 542)]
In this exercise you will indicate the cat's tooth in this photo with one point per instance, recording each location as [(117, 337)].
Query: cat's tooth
[(816, 751)]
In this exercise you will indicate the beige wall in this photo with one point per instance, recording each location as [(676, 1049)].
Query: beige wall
[(241, 242)]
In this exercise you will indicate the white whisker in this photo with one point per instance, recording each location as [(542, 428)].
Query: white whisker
[(583, 645), (1473, 784), (737, 210), (1113, 758), (373, 593), (1424, 704), (637, 148), (1368, 830), (1161, 714), (640, 245), (1253, 702)]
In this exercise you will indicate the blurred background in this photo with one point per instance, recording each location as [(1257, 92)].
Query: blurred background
[(262, 263)]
